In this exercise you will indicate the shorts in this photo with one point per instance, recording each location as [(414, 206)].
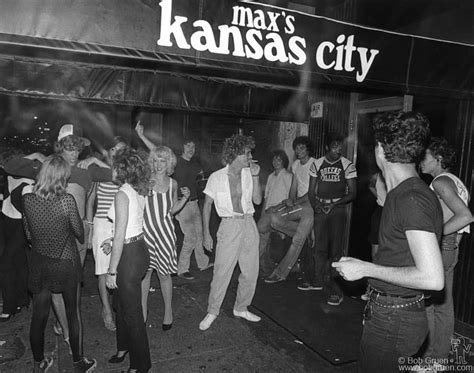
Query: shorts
[(103, 229)]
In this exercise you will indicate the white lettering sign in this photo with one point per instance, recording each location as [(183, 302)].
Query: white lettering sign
[(261, 39)]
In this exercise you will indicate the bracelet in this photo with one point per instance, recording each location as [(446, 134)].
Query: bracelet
[(255, 175), (111, 273), (88, 222)]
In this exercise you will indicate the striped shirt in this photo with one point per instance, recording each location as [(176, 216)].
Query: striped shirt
[(106, 192)]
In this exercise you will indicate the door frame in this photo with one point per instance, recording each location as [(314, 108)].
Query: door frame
[(378, 105)]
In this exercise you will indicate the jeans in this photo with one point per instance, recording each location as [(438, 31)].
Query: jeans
[(391, 334), (190, 221), (297, 225), (329, 232), (264, 230), (131, 328), (440, 311), (14, 266), (41, 307), (237, 242)]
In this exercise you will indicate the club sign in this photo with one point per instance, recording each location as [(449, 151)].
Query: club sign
[(256, 34)]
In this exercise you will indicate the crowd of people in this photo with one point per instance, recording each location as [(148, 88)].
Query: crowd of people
[(123, 203)]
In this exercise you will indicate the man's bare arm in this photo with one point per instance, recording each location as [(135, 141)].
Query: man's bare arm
[(426, 274)]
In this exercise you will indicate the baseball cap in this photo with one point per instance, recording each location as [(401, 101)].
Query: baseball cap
[(72, 130)]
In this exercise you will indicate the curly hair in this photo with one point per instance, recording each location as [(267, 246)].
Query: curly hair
[(70, 142), (165, 153), (403, 136), (279, 153), (235, 146), (132, 168), (303, 140), (441, 149), (53, 177)]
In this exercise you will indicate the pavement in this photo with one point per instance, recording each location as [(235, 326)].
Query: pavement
[(230, 345)]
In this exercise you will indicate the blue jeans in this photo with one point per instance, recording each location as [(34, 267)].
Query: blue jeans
[(440, 312), (297, 225), (391, 334), (131, 328), (329, 232)]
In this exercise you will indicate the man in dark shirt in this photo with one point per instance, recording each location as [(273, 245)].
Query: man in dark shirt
[(409, 258), (186, 173)]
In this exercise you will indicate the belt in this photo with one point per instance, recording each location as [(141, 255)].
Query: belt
[(327, 200), (133, 239), (383, 294), (237, 216)]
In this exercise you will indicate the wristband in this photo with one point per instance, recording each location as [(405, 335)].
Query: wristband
[(88, 222), (255, 175), (111, 273)]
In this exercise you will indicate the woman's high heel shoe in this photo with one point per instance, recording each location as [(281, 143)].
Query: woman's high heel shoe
[(115, 359), (167, 326)]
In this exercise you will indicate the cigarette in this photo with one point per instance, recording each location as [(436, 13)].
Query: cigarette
[(254, 161), (281, 208), (292, 211)]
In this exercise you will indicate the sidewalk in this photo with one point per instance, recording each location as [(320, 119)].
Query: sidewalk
[(230, 345)]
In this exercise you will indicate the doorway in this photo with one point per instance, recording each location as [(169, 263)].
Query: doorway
[(364, 110)]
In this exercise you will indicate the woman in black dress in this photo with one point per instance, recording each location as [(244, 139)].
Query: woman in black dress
[(51, 224)]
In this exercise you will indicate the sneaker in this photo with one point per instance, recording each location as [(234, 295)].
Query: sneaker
[(247, 315), (335, 300), (210, 265), (186, 276), (44, 365), (85, 365), (273, 279), (207, 321), (307, 286)]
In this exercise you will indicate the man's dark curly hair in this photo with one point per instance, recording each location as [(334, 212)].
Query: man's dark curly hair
[(403, 136), (132, 168), (303, 140), (235, 146), (441, 150)]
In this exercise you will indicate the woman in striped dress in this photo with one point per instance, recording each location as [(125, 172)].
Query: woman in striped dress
[(161, 204)]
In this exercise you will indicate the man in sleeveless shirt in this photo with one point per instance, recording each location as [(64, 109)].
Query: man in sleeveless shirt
[(233, 190), (408, 261), (332, 185), (294, 216), (453, 195)]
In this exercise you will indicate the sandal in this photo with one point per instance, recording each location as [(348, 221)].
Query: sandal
[(44, 365)]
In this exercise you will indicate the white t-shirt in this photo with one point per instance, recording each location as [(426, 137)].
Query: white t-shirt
[(301, 173), (277, 188)]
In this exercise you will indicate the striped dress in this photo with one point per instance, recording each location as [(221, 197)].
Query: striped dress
[(160, 236)]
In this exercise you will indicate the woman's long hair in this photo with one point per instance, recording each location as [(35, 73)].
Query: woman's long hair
[(53, 177), (131, 167)]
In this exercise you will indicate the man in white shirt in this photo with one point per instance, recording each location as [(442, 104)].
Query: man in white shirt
[(276, 191), (295, 215), (233, 189)]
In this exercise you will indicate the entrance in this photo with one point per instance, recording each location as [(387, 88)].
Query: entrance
[(364, 110)]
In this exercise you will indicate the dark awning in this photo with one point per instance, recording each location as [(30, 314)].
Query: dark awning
[(142, 51)]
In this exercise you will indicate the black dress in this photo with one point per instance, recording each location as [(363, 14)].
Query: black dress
[(51, 226)]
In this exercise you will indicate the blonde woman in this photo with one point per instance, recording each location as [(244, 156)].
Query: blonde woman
[(161, 204), (52, 222)]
